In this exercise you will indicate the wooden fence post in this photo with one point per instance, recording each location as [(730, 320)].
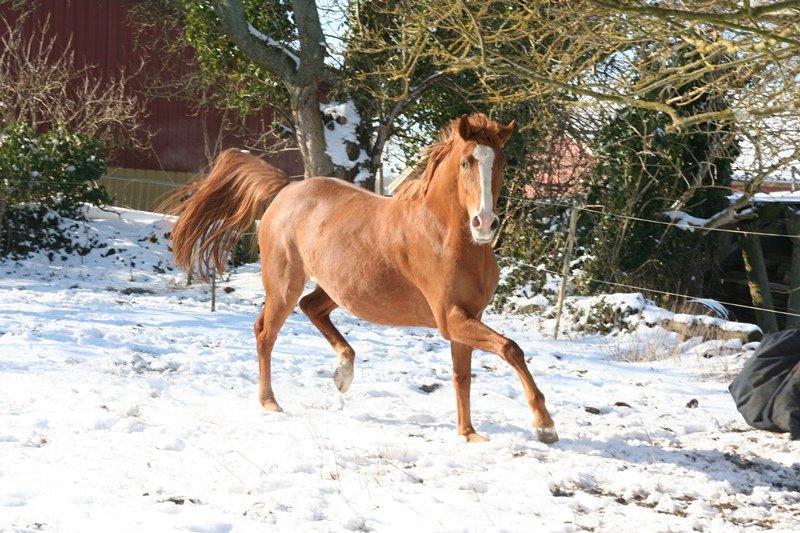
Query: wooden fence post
[(213, 290), (379, 181), (2, 216), (192, 262), (562, 291), (794, 271), (758, 282)]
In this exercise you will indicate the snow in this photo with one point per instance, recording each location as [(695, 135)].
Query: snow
[(778, 196), (136, 410), (784, 197), (713, 305), (343, 121), (685, 221), (275, 44), (711, 321)]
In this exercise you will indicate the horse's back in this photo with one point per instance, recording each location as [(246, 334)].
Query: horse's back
[(320, 192)]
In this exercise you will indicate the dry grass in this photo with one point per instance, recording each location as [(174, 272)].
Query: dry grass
[(710, 359)]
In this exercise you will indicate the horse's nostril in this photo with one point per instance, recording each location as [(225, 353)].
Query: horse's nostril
[(476, 222), (495, 224)]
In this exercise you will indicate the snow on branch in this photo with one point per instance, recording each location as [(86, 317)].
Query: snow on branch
[(272, 42), (685, 220), (729, 215)]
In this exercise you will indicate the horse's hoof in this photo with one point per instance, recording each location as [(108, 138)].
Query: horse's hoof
[(343, 377), (476, 437), (271, 406), (545, 435)]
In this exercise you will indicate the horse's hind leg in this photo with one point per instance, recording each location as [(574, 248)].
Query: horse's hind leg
[(276, 308), (318, 306)]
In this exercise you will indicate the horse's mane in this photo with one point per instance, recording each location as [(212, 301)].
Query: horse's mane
[(481, 127), (434, 154)]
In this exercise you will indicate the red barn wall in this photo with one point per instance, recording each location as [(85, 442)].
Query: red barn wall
[(101, 35)]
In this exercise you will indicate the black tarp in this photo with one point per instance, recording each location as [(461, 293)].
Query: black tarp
[(767, 391)]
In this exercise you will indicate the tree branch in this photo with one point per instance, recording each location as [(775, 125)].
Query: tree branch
[(722, 19), (272, 57), (386, 127), (746, 12), (312, 42), (727, 216)]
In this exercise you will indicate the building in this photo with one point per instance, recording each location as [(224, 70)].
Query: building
[(103, 36)]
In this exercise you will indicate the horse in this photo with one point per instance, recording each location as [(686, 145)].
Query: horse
[(420, 258)]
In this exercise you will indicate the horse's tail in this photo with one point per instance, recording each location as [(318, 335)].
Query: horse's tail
[(214, 212)]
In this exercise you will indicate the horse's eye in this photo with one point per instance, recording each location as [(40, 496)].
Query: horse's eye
[(465, 164)]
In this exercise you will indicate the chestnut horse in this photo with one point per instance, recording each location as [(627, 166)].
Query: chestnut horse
[(421, 258)]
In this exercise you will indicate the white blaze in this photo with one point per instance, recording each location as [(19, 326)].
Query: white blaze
[(485, 156)]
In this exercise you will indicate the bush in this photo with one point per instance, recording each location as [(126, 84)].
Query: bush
[(641, 171), (605, 314), (43, 85), (44, 177)]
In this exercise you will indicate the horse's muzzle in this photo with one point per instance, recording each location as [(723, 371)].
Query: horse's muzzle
[(483, 227)]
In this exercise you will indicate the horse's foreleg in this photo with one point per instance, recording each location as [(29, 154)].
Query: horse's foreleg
[(465, 329), (318, 306), (462, 379)]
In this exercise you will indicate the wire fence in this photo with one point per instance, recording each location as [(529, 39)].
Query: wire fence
[(147, 197), (789, 312), (683, 227), (664, 293)]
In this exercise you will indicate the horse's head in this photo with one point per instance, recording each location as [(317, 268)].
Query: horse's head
[(479, 145)]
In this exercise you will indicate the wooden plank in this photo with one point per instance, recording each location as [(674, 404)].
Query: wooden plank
[(773, 286), (760, 293), (793, 303)]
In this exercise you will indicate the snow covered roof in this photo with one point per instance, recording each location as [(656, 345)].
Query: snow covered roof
[(785, 197)]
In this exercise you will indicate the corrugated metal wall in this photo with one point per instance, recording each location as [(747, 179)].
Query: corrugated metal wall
[(101, 35)]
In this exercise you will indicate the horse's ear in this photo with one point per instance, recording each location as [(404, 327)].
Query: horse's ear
[(506, 131), (463, 128)]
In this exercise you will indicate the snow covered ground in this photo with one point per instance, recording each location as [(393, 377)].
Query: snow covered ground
[(126, 405)]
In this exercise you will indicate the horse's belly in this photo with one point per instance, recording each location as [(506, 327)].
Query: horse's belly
[(351, 246), (393, 303)]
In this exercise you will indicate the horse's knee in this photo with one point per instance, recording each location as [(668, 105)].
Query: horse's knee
[(452, 324), (511, 352), (313, 307), (306, 304)]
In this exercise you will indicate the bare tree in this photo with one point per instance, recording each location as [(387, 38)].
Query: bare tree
[(42, 86), (610, 54)]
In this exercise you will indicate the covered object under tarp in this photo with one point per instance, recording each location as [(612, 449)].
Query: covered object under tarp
[(767, 391)]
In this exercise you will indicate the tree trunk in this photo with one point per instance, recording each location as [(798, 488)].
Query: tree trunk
[(758, 282), (794, 273), (310, 131)]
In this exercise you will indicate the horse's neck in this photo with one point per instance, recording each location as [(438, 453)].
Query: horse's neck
[(442, 202)]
